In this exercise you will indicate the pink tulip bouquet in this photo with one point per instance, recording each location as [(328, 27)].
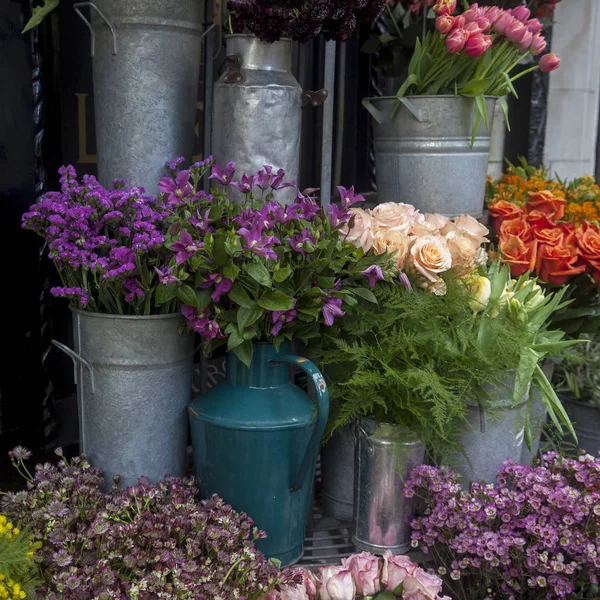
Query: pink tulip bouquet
[(426, 247), (475, 54), (365, 576)]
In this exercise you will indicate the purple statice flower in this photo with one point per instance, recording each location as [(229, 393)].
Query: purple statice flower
[(405, 281), (134, 289), (257, 243), (174, 164), (332, 308), (201, 222), (222, 285), (374, 273), (75, 293), (297, 242), (203, 163), (176, 190), (246, 184), (165, 275), (223, 176), (348, 197), (185, 247), (280, 317)]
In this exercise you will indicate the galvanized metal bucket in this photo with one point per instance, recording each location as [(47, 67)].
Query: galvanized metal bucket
[(257, 109), (385, 456), (133, 378), (490, 438), (337, 469), (423, 152), (586, 422), (146, 68)]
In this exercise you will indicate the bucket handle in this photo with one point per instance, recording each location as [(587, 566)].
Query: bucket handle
[(320, 386), (420, 114), (76, 8), (76, 357)]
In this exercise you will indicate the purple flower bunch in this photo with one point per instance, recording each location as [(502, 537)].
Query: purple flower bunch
[(249, 268), (145, 542), (104, 243), (533, 535), (301, 20)]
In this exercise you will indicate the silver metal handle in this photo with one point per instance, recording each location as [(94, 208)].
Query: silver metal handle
[(375, 112), (76, 8), (359, 429), (482, 420), (420, 114), (75, 358)]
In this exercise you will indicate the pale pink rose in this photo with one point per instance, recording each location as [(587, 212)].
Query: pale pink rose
[(421, 229), (392, 240), (437, 220), (308, 585), (337, 583), (289, 592), (463, 250), (361, 234), (430, 255), (472, 228), (429, 586), (365, 570), (395, 215), (395, 570)]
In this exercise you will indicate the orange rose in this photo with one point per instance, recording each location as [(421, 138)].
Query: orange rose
[(546, 202), (518, 254), (501, 210), (595, 265), (588, 242), (540, 220), (556, 264), (517, 227), (551, 236)]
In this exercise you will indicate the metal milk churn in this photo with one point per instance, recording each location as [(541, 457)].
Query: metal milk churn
[(257, 109), (256, 438)]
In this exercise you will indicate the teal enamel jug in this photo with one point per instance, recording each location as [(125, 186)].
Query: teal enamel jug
[(256, 438)]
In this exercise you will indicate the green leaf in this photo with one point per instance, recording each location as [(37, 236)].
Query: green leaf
[(39, 13), (234, 340), (164, 293), (216, 212), (365, 293), (231, 271), (203, 298), (244, 352), (481, 107), (553, 404), (187, 295), (219, 253), (504, 107), (509, 84), (410, 80), (476, 122), (239, 295), (313, 312), (282, 274), (326, 282), (260, 274), (248, 316), (275, 300), (475, 87)]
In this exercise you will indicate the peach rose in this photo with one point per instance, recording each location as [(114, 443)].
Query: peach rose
[(519, 255), (361, 234), (437, 220), (588, 242), (556, 264), (392, 240), (462, 249), (430, 256), (472, 228), (424, 228), (517, 227), (546, 202), (501, 210), (396, 215)]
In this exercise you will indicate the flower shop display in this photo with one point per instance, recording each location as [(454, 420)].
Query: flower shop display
[(147, 541), (256, 276), (132, 366), (533, 534), (18, 565), (257, 102), (365, 576), (431, 139)]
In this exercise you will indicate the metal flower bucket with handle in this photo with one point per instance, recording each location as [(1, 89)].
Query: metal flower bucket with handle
[(423, 152), (256, 438), (133, 378), (146, 67)]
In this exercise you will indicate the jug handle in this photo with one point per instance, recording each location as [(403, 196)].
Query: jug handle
[(76, 357), (320, 386), (76, 8)]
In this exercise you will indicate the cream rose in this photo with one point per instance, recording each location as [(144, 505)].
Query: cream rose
[(463, 250), (472, 228), (437, 220), (422, 229), (430, 256), (396, 215), (361, 234), (392, 240)]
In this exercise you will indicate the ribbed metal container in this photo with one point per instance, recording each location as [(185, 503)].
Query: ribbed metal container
[(423, 152), (257, 109), (385, 456), (145, 95), (337, 469), (133, 385), (586, 422)]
